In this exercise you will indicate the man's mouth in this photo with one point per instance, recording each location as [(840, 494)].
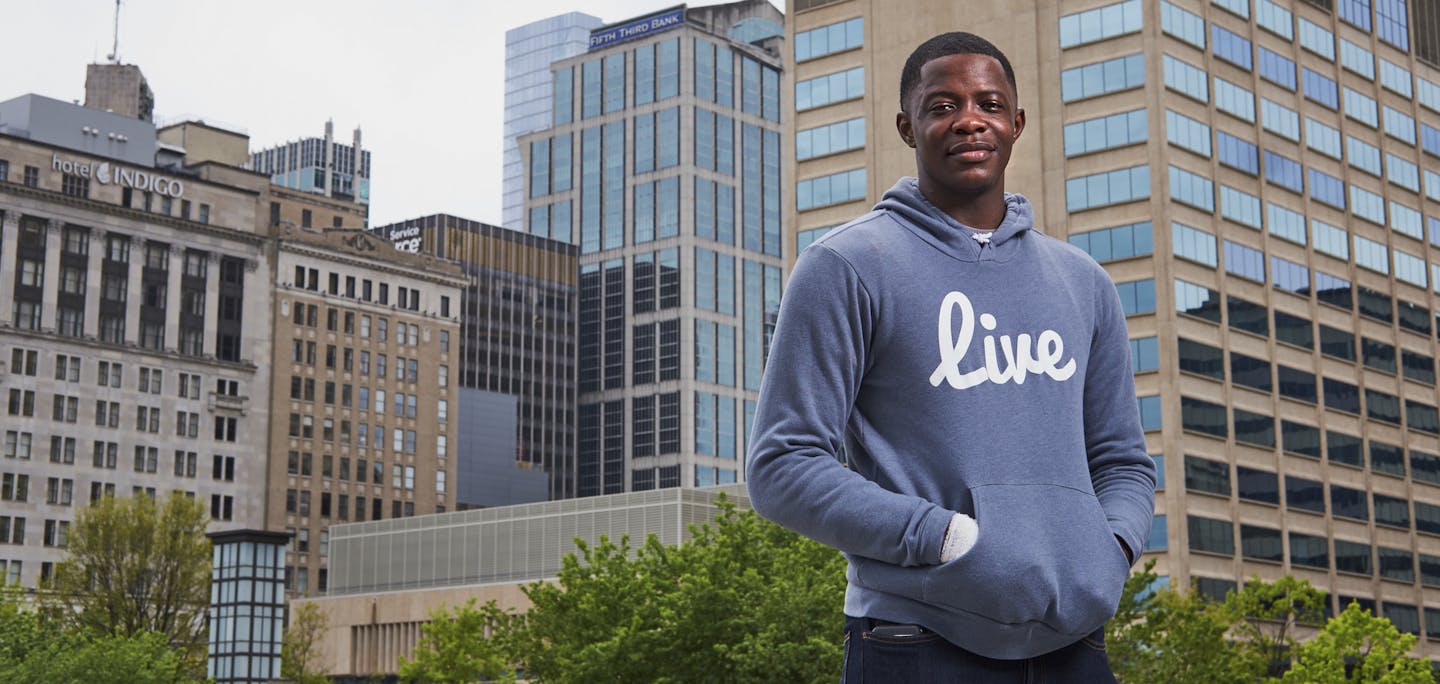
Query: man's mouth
[(972, 151)]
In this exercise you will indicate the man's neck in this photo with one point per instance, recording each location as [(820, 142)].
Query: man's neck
[(984, 212)]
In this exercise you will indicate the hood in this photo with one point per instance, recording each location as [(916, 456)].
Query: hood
[(949, 235)]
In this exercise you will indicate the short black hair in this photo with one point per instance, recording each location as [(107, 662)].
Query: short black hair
[(944, 45)]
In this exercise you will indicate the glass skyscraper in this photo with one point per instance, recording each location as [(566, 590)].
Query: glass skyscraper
[(529, 51), (663, 165), (1262, 181)]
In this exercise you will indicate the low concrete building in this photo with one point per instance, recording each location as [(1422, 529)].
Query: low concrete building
[(388, 575)]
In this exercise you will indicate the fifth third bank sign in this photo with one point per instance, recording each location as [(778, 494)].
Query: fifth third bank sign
[(631, 30)]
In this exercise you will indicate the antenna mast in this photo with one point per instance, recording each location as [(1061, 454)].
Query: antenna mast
[(115, 51)]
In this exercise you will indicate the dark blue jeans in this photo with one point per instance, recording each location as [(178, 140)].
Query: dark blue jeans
[(926, 658)]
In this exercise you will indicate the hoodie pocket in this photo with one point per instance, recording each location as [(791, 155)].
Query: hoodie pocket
[(1045, 553)]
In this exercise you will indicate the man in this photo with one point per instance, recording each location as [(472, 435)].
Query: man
[(977, 375)]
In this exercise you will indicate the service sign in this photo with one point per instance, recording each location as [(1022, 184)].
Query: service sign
[(105, 174), (639, 28), (406, 239)]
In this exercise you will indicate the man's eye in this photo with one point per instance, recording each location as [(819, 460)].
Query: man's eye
[(941, 107)]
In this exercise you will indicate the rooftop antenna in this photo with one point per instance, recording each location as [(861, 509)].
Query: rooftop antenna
[(114, 56)]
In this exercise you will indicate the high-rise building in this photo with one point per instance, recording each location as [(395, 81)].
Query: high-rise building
[(529, 51), (1259, 178), (132, 344), (319, 165), (663, 165), (517, 338), (365, 341)]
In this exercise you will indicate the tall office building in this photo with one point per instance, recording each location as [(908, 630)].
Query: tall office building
[(364, 347), (663, 165), (319, 165), (132, 344), (529, 51), (1259, 178), (517, 338)]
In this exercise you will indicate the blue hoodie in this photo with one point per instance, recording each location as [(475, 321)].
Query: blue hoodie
[(992, 380)]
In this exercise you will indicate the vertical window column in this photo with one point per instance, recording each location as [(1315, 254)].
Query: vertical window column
[(9, 229)]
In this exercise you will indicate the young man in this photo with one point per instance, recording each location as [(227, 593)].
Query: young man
[(977, 374)]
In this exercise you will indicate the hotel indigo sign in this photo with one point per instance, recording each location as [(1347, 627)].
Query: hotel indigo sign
[(639, 28), (104, 174)]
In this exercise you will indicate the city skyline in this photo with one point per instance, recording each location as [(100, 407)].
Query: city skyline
[(265, 61)]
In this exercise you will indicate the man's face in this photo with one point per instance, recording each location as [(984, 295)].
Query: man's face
[(962, 121)]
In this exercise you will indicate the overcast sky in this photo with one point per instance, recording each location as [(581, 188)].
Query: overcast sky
[(423, 79)]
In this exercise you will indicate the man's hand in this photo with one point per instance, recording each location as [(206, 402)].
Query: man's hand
[(959, 537), (1129, 555)]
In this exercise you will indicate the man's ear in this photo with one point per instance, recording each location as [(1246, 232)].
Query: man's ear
[(907, 133), (1019, 123)]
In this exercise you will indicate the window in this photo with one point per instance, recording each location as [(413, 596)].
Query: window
[(1248, 371), (1234, 100), (1346, 502), (836, 188), (1086, 136), (1294, 330), (1121, 73), (1261, 543), (1189, 188), (1189, 80), (1319, 89), (1231, 47), (1301, 439), (1280, 120), (1182, 24), (1254, 428), (1309, 551), (1261, 486), (1361, 108), (1185, 132), (1201, 359), (836, 87), (1204, 417), (1137, 297), (1341, 396), (1352, 557), (1102, 189), (1197, 301), (1305, 495), (1120, 242), (1100, 23), (1211, 536), (1206, 476), (1317, 39), (832, 38), (1322, 138)]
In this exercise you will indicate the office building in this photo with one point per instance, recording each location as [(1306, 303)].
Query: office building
[(529, 51), (132, 340), (1260, 179), (517, 338), (321, 166), (365, 342), (663, 166)]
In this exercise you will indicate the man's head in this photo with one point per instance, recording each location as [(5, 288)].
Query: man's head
[(959, 112), (944, 45)]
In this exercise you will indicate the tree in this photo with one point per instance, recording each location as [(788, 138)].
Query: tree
[(461, 647), (134, 566), (39, 651), (1356, 646), (300, 654), (743, 601), (1263, 616), (1165, 635)]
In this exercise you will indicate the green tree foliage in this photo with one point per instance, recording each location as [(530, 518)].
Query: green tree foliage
[(1180, 637), (1163, 635), (461, 646), (300, 656), (1374, 649), (39, 651), (743, 601), (1263, 617), (133, 567)]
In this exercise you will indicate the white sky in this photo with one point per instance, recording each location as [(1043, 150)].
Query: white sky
[(423, 79)]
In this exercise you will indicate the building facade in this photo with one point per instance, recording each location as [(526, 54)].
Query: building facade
[(365, 342), (1260, 179), (318, 165), (663, 166), (132, 337), (517, 331), (529, 51)]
